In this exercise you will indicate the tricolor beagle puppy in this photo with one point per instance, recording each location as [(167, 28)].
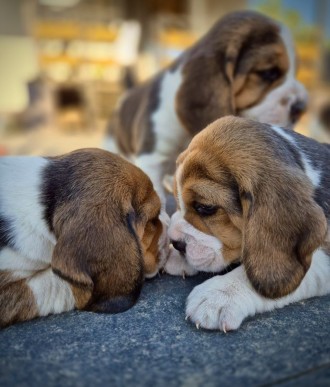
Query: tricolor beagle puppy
[(76, 231), (245, 65), (256, 194)]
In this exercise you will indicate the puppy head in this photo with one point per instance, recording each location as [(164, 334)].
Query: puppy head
[(104, 213), (243, 65), (237, 183)]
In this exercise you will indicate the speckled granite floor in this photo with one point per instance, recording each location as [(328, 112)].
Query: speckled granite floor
[(153, 345)]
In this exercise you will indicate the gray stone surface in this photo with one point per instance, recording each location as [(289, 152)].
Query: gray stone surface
[(153, 345)]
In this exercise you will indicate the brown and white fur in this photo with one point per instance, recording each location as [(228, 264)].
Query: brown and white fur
[(256, 194), (76, 231), (245, 65)]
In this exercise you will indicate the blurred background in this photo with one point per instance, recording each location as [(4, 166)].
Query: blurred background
[(64, 63)]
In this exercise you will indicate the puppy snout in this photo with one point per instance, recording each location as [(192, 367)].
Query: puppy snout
[(179, 245), (296, 110)]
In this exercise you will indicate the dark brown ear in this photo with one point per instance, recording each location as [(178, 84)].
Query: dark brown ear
[(99, 254), (205, 93), (283, 227)]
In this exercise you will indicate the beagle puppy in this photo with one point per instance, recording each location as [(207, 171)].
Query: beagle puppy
[(259, 195), (245, 65), (76, 231)]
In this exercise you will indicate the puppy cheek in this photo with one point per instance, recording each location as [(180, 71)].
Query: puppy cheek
[(203, 257)]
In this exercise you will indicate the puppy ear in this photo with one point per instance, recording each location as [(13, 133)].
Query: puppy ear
[(283, 225), (205, 93), (150, 238), (235, 74), (99, 255), (70, 263)]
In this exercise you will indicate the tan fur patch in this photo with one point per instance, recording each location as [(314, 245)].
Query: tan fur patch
[(17, 301)]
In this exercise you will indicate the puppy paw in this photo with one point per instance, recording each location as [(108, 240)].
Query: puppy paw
[(177, 265), (221, 302)]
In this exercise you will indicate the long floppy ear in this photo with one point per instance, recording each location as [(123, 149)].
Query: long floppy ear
[(205, 93), (99, 254), (150, 238), (283, 227)]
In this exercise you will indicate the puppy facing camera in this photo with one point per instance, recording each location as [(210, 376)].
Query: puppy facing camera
[(80, 231)]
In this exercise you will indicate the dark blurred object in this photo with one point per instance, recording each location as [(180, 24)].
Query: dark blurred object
[(129, 78), (325, 115), (68, 97), (40, 109), (326, 66), (73, 112)]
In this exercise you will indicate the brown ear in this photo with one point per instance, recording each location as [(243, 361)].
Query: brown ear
[(99, 254), (69, 263), (283, 227), (150, 238), (205, 93)]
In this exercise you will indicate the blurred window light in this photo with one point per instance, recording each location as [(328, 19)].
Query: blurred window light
[(18, 64), (127, 43)]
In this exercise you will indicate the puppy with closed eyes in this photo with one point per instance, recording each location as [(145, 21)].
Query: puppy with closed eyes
[(76, 231), (259, 195)]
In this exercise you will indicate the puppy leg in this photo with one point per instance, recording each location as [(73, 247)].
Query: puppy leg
[(17, 301), (51, 293), (223, 302)]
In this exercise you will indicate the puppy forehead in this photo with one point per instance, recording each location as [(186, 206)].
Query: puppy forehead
[(204, 177), (86, 177)]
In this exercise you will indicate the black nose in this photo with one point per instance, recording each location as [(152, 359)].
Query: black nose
[(180, 246), (296, 110)]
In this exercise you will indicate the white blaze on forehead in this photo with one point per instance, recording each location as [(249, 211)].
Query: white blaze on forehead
[(178, 177)]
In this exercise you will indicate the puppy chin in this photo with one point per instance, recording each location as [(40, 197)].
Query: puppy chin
[(278, 115), (275, 108)]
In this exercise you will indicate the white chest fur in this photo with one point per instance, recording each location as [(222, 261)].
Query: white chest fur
[(167, 127)]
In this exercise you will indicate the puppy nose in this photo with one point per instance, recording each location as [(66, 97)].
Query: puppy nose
[(296, 110), (180, 246)]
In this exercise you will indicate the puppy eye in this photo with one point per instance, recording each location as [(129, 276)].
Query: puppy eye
[(270, 75), (205, 209)]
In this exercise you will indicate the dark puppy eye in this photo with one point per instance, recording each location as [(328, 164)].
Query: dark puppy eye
[(269, 75), (204, 209)]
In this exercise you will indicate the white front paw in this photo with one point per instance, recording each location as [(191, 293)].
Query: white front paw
[(177, 265), (221, 302)]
